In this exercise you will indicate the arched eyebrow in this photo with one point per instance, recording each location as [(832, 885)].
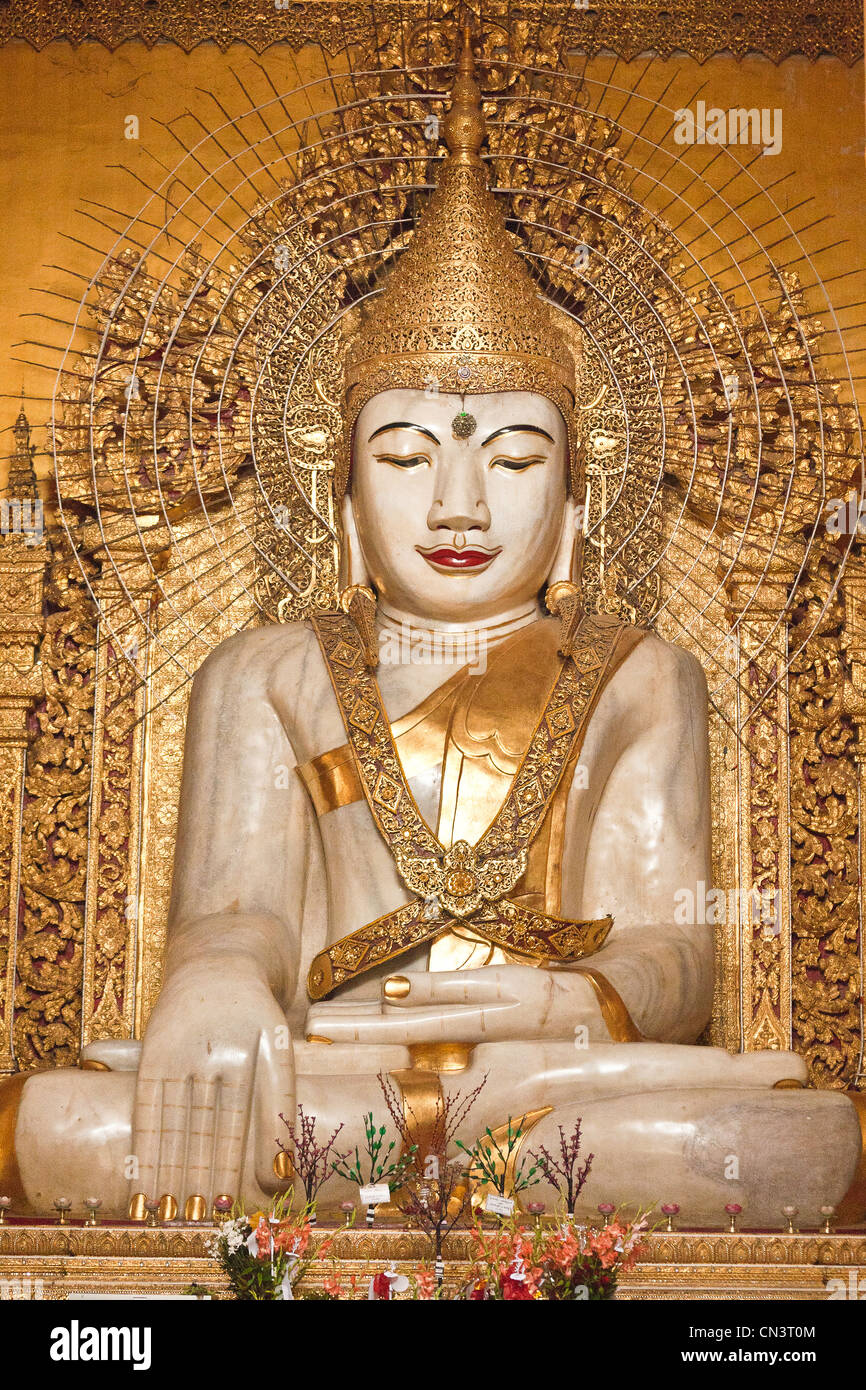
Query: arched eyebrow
[(402, 425), (517, 429)]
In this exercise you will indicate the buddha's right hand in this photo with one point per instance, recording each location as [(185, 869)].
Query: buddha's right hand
[(217, 1068)]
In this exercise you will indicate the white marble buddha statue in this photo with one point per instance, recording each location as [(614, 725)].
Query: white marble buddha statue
[(405, 826)]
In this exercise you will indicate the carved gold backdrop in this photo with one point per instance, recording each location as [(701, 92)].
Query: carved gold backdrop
[(193, 427)]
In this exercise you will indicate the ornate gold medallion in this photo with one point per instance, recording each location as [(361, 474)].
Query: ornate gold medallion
[(460, 882), (464, 425)]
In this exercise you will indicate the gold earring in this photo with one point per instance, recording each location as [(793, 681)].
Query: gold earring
[(564, 600), (359, 602)]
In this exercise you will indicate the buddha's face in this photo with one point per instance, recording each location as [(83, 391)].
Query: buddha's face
[(459, 529)]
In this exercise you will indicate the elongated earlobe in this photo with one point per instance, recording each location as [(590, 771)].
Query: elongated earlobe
[(357, 598), (353, 569), (563, 567), (563, 596)]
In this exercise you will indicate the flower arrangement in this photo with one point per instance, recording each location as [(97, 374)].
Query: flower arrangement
[(562, 1169), (266, 1254), (493, 1160), (562, 1263)]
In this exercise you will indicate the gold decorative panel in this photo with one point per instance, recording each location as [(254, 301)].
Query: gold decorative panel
[(625, 27), (194, 441), (55, 1263)]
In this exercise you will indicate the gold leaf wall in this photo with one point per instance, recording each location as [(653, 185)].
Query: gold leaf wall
[(91, 774)]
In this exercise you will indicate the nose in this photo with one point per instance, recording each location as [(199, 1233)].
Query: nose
[(459, 497)]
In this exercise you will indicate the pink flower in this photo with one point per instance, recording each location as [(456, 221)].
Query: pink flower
[(263, 1240), (292, 1239), (562, 1249), (523, 1246)]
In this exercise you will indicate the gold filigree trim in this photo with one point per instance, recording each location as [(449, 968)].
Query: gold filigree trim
[(775, 30), (463, 881)]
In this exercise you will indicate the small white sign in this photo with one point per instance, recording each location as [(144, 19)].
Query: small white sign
[(376, 1195), (500, 1206)]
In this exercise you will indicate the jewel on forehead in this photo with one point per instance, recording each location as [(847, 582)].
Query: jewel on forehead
[(463, 425)]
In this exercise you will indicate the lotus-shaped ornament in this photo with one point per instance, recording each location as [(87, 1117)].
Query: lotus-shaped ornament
[(460, 881)]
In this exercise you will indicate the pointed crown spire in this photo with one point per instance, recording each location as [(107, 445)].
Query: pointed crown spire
[(460, 312), (21, 481)]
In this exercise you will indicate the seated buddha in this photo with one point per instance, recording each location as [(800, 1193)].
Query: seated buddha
[(440, 831)]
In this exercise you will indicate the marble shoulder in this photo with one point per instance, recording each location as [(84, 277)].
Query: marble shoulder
[(258, 659), (663, 676)]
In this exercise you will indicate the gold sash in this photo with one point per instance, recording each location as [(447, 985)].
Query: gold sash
[(463, 885)]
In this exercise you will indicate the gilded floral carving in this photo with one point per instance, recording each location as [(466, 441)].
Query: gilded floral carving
[(54, 846), (221, 404), (621, 27), (827, 948)]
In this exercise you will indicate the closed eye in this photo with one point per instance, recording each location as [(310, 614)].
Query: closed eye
[(403, 460), (519, 465)]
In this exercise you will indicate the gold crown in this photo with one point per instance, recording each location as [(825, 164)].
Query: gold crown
[(460, 312)]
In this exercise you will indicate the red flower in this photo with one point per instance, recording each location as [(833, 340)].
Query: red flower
[(381, 1286), (514, 1288)]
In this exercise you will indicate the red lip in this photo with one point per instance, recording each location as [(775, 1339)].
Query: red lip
[(446, 557)]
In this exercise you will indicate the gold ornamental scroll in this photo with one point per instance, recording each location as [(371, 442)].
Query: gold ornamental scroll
[(22, 570), (854, 703), (112, 919), (628, 29), (764, 901), (826, 806), (823, 697)]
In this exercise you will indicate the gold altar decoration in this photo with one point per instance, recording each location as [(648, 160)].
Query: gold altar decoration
[(53, 1263), (195, 436), (626, 27)]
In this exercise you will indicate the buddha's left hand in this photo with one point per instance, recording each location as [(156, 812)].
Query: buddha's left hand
[(495, 1003)]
